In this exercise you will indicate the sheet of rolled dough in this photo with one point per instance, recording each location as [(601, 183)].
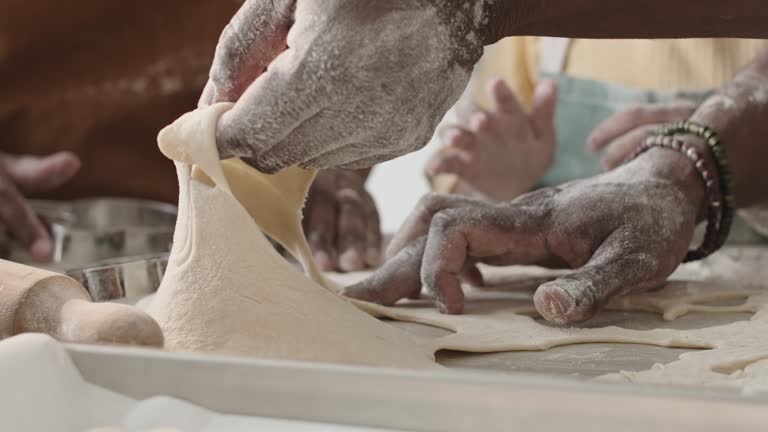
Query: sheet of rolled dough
[(226, 289), (503, 318)]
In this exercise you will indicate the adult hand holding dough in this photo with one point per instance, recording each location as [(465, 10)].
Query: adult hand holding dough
[(359, 82)]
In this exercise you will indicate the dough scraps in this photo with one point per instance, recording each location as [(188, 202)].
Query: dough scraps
[(733, 355)]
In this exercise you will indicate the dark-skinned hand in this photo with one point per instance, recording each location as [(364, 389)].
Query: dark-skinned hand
[(20, 175), (341, 83), (622, 231), (341, 222)]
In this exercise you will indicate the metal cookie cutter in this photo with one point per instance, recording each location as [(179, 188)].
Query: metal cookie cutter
[(90, 230), (123, 278)]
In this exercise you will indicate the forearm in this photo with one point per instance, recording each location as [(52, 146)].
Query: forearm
[(622, 19), (739, 114)]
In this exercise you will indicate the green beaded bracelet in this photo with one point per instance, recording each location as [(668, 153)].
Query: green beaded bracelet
[(723, 171)]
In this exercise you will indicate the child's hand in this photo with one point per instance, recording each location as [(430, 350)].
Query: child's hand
[(504, 151)]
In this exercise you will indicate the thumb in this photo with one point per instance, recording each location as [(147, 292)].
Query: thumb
[(255, 36), (543, 110), (38, 174), (576, 297)]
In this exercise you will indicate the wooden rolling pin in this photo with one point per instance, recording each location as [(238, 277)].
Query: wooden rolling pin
[(36, 300)]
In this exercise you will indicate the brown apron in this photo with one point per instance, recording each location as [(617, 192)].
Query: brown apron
[(101, 78)]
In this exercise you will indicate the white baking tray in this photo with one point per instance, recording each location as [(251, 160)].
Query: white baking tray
[(412, 400)]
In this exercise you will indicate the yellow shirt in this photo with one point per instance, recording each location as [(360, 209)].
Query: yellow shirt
[(665, 64)]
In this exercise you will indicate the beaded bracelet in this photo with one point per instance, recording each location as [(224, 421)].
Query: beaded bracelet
[(721, 164), (711, 182)]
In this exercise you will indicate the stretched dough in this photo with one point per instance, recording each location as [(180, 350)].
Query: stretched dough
[(226, 290)]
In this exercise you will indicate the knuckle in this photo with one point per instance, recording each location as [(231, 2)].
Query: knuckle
[(647, 264), (426, 207), (425, 203), (444, 220)]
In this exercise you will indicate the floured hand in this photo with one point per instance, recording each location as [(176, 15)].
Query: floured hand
[(30, 174), (625, 230), (341, 83)]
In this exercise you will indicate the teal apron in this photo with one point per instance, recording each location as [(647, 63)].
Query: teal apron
[(583, 104)]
